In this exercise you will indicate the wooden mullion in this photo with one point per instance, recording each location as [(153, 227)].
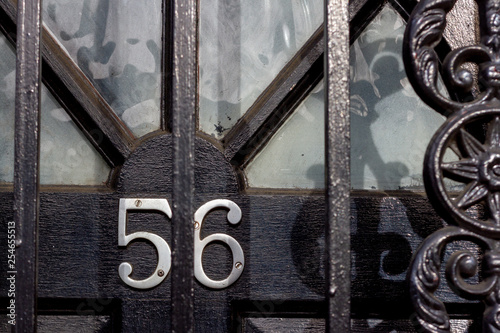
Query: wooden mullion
[(108, 127), (69, 85), (9, 7), (361, 13), (95, 118), (262, 116), (279, 115)]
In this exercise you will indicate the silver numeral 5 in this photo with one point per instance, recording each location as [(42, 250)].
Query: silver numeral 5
[(164, 253)]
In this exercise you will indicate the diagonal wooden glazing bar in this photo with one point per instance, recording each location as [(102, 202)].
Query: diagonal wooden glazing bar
[(69, 85), (183, 106), (337, 162), (27, 134), (288, 89)]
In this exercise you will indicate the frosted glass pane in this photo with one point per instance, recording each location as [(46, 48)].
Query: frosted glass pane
[(66, 156), (390, 126), (243, 46), (117, 44), (294, 157), (7, 98)]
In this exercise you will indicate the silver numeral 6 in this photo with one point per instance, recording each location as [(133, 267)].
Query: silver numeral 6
[(164, 253), (234, 217)]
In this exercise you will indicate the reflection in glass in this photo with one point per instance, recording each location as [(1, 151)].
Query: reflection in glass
[(390, 126), (117, 44), (243, 46), (66, 156), (294, 157)]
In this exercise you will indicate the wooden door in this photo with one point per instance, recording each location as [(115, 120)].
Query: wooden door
[(290, 268)]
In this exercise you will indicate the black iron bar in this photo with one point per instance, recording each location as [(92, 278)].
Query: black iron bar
[(27, 137), (166, 67), (337, 165), (183, 106)]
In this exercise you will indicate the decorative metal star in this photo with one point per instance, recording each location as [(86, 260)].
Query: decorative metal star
[(479, 168)]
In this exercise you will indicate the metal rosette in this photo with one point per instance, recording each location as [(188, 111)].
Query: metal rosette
[(462, 169)]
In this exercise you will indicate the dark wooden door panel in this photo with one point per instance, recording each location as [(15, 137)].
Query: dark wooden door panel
[(281, 236), (68, 324), (316, 325)]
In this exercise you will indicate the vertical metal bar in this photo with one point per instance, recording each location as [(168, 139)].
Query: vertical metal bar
[(166, 66), (27, 135), (337, 161), (184, 101)]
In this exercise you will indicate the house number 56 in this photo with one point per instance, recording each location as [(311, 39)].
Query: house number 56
[(164, 254)]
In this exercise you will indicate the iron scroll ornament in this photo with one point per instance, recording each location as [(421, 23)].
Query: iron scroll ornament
[(464, 153)]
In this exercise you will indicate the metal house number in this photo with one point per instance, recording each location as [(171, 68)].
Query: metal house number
[(163, 249)]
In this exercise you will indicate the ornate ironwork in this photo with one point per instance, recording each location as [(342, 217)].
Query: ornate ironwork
[(463, 157)]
